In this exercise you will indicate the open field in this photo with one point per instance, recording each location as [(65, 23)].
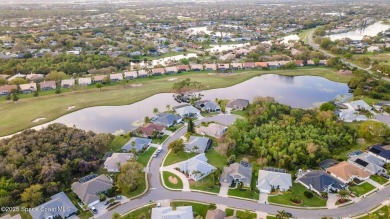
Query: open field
[(381, 58), (19, 116)]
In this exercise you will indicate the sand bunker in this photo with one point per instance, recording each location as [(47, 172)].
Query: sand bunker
[(38, 119), (71, 107), (172, 180)]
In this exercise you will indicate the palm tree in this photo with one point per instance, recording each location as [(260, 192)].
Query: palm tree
[(155, 111), (342, 194), (168, 107), (195, 173), (195, 148), (116, 215), (282, 215)]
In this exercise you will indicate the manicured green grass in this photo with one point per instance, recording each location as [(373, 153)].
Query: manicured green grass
[(166, 176), (175, 158), (298, 190), (14, 117), (245, 214), (145, 212), (139, 190), (362, 188), (216, 159), (197, 208), (379, 179), (118, 142), (229, 212), (244, 194), (270, 217), (381, 213), (160, 139), (206, 184), (145, 156), (239, 112)]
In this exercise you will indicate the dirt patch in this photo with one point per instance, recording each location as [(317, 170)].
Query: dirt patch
[(38, 119), (173, 180), (172, 79)]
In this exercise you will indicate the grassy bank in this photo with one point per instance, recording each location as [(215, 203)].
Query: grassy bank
[(19, 116)]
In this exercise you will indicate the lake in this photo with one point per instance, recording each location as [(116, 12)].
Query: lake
[(298, 91), (371, 30)]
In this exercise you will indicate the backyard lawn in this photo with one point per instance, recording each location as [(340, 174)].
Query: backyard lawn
[(197, 208), (172, 181), (362, 188), (204, 184), (160, 139), (216, 159), (379, 179), (118, 142), (298, 190), (175, 158), (145, 212), (248, 193), (145, 156), (381, 213)]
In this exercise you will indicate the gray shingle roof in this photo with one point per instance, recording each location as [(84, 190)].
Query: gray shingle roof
[(88, 191), (203, 143), (321, 181), (240, 171), (166, 119), (140, 143), (57, 202)]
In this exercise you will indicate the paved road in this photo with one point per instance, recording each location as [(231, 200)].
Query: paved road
[(318, 48), (158, 192)]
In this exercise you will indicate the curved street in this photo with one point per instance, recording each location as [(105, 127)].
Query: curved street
[(318, 48), (157, 192)]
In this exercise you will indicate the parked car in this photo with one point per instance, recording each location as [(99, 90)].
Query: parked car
[(118, 197), (106, 202), (94, 210), (155, 154), (289, 214)]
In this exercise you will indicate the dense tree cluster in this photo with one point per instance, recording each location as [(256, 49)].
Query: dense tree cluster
[(46, 161), (365, 84), (186, 86), (285, 137)]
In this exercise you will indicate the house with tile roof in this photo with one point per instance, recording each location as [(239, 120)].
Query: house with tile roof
[(346, 172)]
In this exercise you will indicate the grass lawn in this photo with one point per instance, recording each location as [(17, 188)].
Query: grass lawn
[(139, 190), (381, 213), (298, 190), (244, 214), (145, 212), (175, 158), (118, 142), (204, 184), (216, 159), (239, 112), (362, 188), (379, 179), (229, 212), (270, 217), (244, 194), (174, 128), (144, 157), (14, 117), (160, 139), (197, 208), (178, 185)]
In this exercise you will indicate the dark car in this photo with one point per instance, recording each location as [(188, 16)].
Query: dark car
[(94, 210), (289, 214)]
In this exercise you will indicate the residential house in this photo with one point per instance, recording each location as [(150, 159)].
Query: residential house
[(74, 52), (310, 62), (237, 173), (213, 129), (350, 115), (184, 212), (116, 160), (268, 180), (261, 64), (149, 130), (210, 67), (273, 65), (182, 68), (283, 63), (67, 83), (139, 144), (346, 172), (158, 71), (18, 75), (322, 62), (248, 65), (48, 85), (380, 151), (8, 216), (7, 89), (59, 206), (171, 70), (116, 77), (358, 105), (142, 73), (369, 163), (84, 81), (187, 111), (166, 119), (216, 214), (99, 78), (35, 77), (223, 67), (196, 67), (208, 106), (28, 88), (197, 144), (236, 66), (130, 74), (237, 104), (88, 188), (299, 63), (196, 167), (319, 181)]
